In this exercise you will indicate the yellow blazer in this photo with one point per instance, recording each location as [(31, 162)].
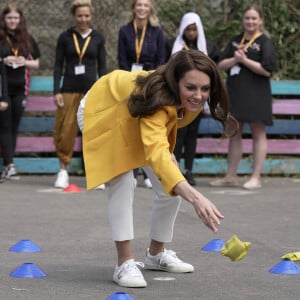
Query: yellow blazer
[(114, 142)]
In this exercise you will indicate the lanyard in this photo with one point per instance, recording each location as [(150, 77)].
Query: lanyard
[(250, 42), (15, 51), (186, 47), (139, 43), (82, 52)]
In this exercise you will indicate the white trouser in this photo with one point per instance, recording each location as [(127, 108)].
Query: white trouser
[(120, 205)]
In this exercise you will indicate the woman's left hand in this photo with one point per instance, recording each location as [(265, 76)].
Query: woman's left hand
[(205, 209), (3, 105)]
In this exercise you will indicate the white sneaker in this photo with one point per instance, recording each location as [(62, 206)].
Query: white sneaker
[(100, 187), (62, 179), (10, 173), (167, 261), (147, 183), (129, 275)]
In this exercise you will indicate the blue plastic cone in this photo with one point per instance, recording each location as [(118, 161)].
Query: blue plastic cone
[(25, 246), (214, 245), (28, 270), (119, 296), (285, 266)]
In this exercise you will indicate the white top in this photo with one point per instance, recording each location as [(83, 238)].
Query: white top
[(189, 19)]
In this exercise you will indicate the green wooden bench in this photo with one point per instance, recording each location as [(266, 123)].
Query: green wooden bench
[(36, 152)]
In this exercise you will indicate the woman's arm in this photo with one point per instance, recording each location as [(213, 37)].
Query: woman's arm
[(123, 62), (102, 70), (32, 64), (205, 209), (58, 64), (161, 48), (227, 63), (255, 66)]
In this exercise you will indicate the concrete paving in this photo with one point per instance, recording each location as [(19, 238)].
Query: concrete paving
[(78, 255)]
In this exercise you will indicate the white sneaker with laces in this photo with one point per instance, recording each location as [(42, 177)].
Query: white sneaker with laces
[(62, 179), (129, 275), (10, 173), (147, 183), (167, 261)]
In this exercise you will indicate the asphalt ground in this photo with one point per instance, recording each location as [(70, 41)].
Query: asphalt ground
[(78, 256)]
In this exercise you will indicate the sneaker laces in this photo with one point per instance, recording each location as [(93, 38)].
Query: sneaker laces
[(169, 256), (131, 268)]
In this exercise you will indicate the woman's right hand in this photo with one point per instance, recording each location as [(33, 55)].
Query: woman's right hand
[(59, 100)]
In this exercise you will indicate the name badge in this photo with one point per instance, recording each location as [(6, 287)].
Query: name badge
[(136, 67), (79, 69), (235, 70)]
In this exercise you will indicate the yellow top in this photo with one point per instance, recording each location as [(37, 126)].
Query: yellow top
[(114, 142)]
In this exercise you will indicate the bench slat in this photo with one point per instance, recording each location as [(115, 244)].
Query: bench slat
[(285, 87), (204, 165), (41, 84), (40, 103), (286, 107), (45, 165), (208, 126), (204, 145), (37, 124), (212, 165), (220, 146), (41, 144)]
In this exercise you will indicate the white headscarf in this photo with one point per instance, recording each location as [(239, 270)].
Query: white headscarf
[(189, 19)]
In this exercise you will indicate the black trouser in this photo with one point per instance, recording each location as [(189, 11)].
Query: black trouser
[(9, 125), (187, 138)]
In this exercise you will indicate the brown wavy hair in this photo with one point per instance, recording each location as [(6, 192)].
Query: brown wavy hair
[(21, 36), (161, 88)]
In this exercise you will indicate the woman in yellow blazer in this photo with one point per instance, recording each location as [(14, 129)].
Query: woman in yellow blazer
[(129, 120)]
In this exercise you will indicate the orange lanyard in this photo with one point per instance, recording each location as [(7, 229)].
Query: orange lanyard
[(250, 42), (15, 51), (85, 45), (186, 47), (139, 43)]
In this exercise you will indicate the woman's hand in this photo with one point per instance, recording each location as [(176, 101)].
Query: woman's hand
[(240, 56), (10, 60), (3, 105), (59, 100), (205, 209), (20, 61)]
